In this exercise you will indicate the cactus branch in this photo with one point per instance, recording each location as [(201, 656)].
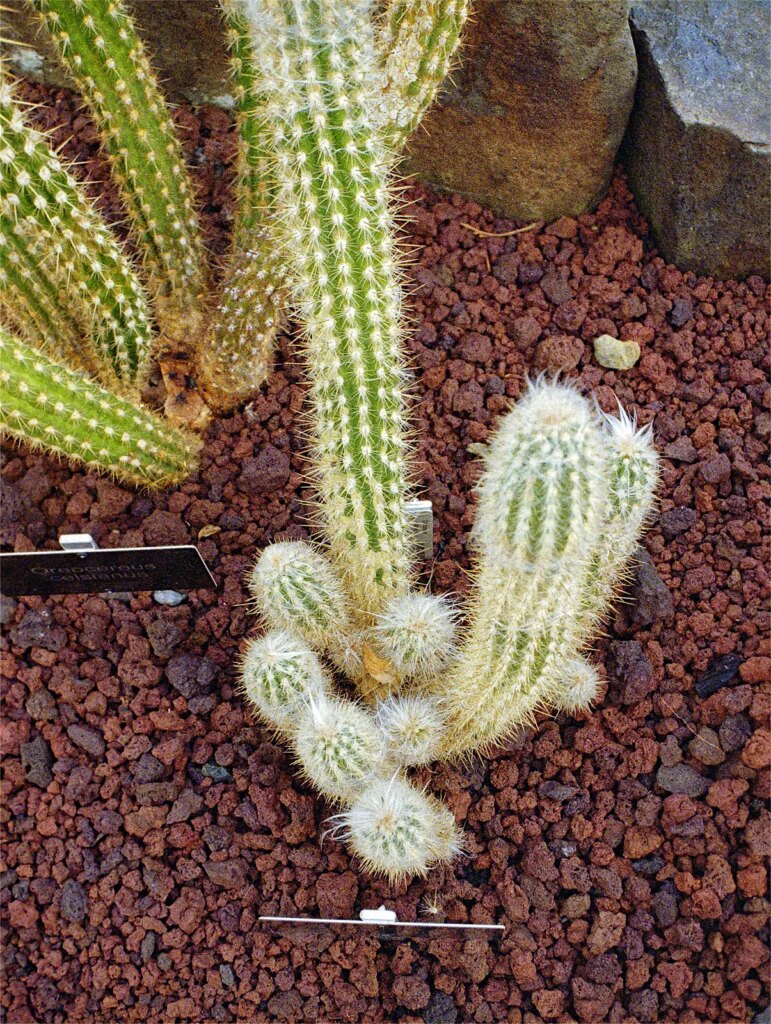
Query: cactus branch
[(239, 353), (47, 219), (416, 43), (43, 403), (97, 42), (338, 234)]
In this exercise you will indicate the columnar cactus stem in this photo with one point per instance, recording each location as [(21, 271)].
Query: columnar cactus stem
[(331, 175), (46, 217), (239, 353), (33, 304), (44, 403), (543, 497), (97, 42), (416, 42)]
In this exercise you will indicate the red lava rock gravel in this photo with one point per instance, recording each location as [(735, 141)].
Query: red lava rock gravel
[(148, 820)]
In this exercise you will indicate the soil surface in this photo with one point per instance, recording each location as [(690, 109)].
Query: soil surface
[(148, 820)]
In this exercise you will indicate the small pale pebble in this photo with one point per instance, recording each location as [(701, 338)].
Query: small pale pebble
[(614, 354), (169, 597)]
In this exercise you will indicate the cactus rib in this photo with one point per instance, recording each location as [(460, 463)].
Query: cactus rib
[(45, 403)]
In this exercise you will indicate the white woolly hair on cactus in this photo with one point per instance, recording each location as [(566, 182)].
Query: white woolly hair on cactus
[(412, 726), (338, 745), (578, 687), (398, 831), (280, 674), (416, 632)]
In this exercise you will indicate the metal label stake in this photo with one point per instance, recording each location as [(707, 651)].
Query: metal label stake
[(383, 918)]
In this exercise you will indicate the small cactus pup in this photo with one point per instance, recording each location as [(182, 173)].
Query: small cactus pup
[(48, 405), (416, 633), (546, 523), (338, 746), (412, 727), (279, 675), (398, 831), (296, 588)]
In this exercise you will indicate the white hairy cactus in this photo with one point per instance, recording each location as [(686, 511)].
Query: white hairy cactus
[(279, 675), (412, 727), (398, 831), (577, 687), (556, 497), (338, 745), (298, 589), (416, 632)]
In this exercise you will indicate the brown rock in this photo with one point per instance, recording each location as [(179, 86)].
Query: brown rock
[(536, 110), (559, 352), (336, 894), (230, 874), (606, 932)]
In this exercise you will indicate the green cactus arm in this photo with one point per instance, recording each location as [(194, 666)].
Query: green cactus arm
[(46, 404), (416, 43), (97, 41), (338, 232), (49, 217), (253, 297), (32, 303)]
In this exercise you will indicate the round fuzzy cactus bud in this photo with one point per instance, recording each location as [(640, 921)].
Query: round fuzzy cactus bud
[(279, 674), (398, 831), (416, 633), (296, 588), (412, 727), (338, 746), (578, 687)]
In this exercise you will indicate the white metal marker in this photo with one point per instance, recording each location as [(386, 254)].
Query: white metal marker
[(383, 918)]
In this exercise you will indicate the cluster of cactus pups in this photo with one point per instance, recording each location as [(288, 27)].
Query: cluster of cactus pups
[(562, 501), (327, 93)]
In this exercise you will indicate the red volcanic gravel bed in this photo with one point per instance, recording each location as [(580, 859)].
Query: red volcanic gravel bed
[(148, 820)]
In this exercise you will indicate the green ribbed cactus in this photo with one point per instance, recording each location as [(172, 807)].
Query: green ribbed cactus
[(416, 44), (254, 293), (51, 406), (555, 487), (98, 43), (337, 230), (61, 254)]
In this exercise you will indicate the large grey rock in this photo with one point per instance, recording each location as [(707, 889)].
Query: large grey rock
[(537, 110), (697, 149)]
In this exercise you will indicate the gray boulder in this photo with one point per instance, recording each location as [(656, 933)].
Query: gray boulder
[(697, 149)]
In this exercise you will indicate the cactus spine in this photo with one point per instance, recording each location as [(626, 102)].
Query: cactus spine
[(278, 675), (47, 404), (253, 295), (61, 245), (97, 41), (338, 746), (331, 178)]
